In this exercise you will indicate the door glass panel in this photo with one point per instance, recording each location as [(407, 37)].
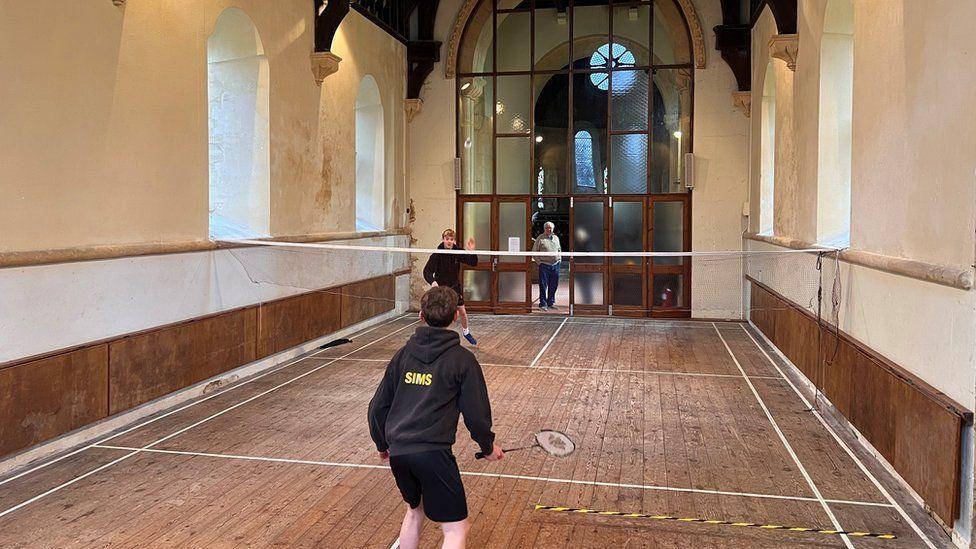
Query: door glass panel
[(670, 129), (476, 107), (514, 41), (628, 164), (511, 224), (511, 287), (512, 165), (588, 288), (631, 25), (590, 132), (477, 285), (628, 100), (551, 133), (668, 231), (588, 230), (591, 30), (477, 224), (551, 36), (627, 289), (668, 290), (628, 231), (512, 111)]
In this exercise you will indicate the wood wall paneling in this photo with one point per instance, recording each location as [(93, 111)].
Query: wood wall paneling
[(288, 322), (922, 428), (147, 366), (838, 374), (872, 406), (45, 398), (366, 299), (915, 427)]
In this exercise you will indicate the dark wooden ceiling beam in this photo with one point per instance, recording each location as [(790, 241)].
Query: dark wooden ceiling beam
[(328, 16), (733, 38)]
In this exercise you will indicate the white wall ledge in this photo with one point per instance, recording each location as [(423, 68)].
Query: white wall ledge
[(30, 258), (960, 277)]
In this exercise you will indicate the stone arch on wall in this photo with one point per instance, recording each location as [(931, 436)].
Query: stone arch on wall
[(468, 7), (238, 95)]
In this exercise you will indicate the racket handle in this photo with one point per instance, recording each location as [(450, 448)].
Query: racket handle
[(481, 455)]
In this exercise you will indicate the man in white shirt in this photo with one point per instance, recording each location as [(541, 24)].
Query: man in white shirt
[(548, 266)]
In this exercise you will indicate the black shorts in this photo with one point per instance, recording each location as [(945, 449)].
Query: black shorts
[(460, 293), (434, 478)]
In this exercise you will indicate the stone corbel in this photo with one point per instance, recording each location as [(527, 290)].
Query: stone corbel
[(324, 63), (785, 47), (412, 107), (743, 102)]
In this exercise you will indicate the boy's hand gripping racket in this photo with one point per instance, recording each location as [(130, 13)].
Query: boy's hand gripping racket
[(552, 442)]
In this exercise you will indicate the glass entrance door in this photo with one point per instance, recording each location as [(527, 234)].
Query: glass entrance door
[(497, 283), (589, 229), (669, 230)]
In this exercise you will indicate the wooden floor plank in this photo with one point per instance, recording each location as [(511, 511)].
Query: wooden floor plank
[(632, 424)]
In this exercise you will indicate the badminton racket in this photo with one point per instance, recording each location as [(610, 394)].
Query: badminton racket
[(552, 442)]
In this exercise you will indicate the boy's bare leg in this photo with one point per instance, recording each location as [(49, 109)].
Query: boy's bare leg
[(455, 534), (413, 521), (463, 315)]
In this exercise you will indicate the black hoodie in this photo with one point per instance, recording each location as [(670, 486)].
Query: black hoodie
[(445, 268), (427, 384)]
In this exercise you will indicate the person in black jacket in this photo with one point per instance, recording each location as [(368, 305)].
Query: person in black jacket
[(413, 420), (445, 270)]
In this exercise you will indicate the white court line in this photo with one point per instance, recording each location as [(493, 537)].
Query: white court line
[(578, 368), (844, 445), (185, 429), (502, 475), (396, 544), (269, 371), (548, 343), (611, 321), (786, 443)]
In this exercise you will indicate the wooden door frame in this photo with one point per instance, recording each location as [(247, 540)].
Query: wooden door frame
[(575, 267), (683, 309), (640, 269), (499, 267)]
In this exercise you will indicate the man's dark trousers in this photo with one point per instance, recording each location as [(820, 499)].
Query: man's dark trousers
[(548, 282)]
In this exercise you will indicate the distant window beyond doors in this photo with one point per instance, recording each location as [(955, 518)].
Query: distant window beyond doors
[(238, 98), (370, 158)]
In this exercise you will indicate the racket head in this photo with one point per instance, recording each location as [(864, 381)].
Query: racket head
[(555, 443)]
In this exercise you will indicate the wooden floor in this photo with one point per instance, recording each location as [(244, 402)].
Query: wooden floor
[(689, 419)]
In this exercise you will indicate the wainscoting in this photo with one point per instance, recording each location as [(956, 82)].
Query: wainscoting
[(915, 427), (46, 396)]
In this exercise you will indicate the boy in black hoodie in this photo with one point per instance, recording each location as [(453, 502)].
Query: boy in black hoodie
[(413, 420), (445, 270)]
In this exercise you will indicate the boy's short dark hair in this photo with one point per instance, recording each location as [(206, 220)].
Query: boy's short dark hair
[(438, 306)]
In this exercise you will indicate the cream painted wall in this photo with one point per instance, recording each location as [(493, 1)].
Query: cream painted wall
[(913, 183), (107, 143), (721, 147), (914, 131), (51, 307)]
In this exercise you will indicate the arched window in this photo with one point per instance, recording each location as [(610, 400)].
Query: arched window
[(767, 149), (238, 97), (532, 75), (370, 158), (836, 105), (583, 143)]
